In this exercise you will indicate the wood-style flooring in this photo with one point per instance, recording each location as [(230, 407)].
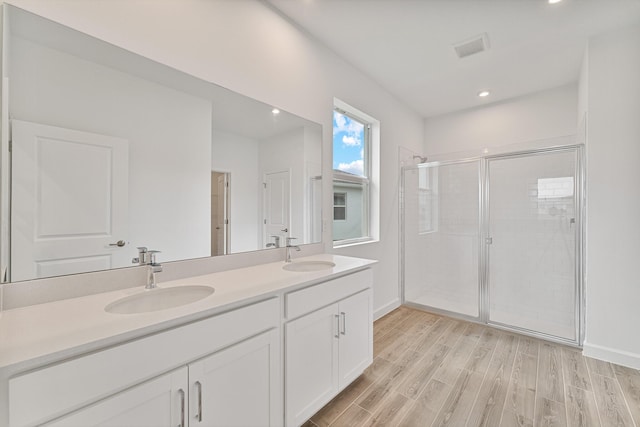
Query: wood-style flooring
[(430, 370)]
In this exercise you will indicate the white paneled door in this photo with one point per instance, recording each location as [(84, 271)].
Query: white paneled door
[(219, 213), (69, 201), (277, 206)]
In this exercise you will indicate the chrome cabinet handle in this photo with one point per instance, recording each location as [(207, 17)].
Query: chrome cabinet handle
[(337, 335), (181, 393), (119, 243), (199, 414), (344, 323)]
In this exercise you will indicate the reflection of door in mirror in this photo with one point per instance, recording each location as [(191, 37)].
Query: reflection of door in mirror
[(69, 201), (277, 194), (219, 213)]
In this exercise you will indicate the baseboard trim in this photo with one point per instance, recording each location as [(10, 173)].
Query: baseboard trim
[(386, 309), (619, 357)]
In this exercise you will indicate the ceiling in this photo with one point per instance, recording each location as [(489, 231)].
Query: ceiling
[(407, 45)]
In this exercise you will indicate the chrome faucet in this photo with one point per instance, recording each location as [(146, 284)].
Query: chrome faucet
[(154, 267), (147, 257), (287, 256)]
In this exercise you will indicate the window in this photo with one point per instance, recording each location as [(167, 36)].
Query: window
[(339, 206), (554, 196), (354, 177)]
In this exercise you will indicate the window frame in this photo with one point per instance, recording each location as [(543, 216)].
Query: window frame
[(368, 182)]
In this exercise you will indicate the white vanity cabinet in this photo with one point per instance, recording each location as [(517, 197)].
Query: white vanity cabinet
[(269, 353), (214, 391), (206, 373), (159, 402), (237, 386), (326, 346)]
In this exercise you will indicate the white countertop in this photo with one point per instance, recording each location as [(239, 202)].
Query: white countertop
[(46, 333)]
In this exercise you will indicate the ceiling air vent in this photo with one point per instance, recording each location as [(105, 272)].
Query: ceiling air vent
[(471, 46)]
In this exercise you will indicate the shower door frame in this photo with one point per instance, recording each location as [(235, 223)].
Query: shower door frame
[(579, 187), (483, 250)]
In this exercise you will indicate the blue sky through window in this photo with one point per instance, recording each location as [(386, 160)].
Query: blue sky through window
[(348, 144)]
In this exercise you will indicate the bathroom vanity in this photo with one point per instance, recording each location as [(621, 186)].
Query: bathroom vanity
[(268, 347)]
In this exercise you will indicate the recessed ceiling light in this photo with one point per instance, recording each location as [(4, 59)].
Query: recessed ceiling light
[(275, 111), (554, 1), (483, 93)]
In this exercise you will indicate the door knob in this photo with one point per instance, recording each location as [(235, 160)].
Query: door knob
[(119, 243)]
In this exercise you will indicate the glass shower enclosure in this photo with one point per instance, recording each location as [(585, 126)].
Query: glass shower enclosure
[(497, 240)]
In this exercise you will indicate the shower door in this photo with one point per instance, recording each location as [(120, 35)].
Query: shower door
[(441, 236), (531, 241)]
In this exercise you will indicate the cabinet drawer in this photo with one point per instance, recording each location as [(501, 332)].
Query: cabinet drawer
[(309, 299), (58, 389)]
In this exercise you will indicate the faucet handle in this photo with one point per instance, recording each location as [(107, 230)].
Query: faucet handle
[(152, 256), (142, 256)]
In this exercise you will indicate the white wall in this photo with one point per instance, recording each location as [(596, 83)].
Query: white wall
[(168, 183), (542, 115), (238, 156), (613, 197), (247, 47)]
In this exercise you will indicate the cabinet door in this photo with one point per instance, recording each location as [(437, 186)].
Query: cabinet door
[(238, 386), (311, 358), (356, 336), (159, 402)]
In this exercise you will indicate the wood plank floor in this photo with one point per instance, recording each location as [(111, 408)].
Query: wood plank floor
[(430, 370)]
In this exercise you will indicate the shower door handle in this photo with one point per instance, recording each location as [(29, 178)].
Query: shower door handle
[(488, 240)]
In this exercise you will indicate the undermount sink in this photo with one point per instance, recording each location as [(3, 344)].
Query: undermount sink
[(159, 299), (308, 265)]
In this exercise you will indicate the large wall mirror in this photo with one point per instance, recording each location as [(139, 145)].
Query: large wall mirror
[(110, 151)]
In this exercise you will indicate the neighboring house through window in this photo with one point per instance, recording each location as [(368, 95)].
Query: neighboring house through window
[(339, 206)]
